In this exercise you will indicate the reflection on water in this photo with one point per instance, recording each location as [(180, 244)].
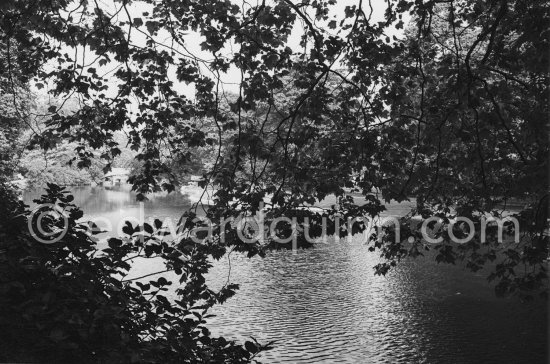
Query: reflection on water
[(97, 200), (325, 304), (109, 208)]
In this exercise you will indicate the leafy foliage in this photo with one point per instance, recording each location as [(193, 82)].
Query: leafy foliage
[(450, 109), (70, 301)]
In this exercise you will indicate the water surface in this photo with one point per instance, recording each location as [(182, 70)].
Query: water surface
[(325, 305)]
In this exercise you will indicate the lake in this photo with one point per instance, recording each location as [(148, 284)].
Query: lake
[(325, 305)]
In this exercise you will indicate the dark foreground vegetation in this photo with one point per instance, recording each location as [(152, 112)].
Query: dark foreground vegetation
[(449, 107)]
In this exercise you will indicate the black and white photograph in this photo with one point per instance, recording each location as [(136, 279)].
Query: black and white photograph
[(274, 181)]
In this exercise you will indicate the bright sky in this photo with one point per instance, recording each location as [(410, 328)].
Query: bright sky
[(193, 40)]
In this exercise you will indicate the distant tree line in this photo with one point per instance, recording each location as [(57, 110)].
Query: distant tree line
[(442, 101)]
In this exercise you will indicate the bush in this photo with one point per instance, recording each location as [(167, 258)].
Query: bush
[(69, 301)]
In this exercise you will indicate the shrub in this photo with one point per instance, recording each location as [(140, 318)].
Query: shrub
[(70, 301)]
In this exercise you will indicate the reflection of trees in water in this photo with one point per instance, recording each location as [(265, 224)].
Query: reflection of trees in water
[(100, 199)]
